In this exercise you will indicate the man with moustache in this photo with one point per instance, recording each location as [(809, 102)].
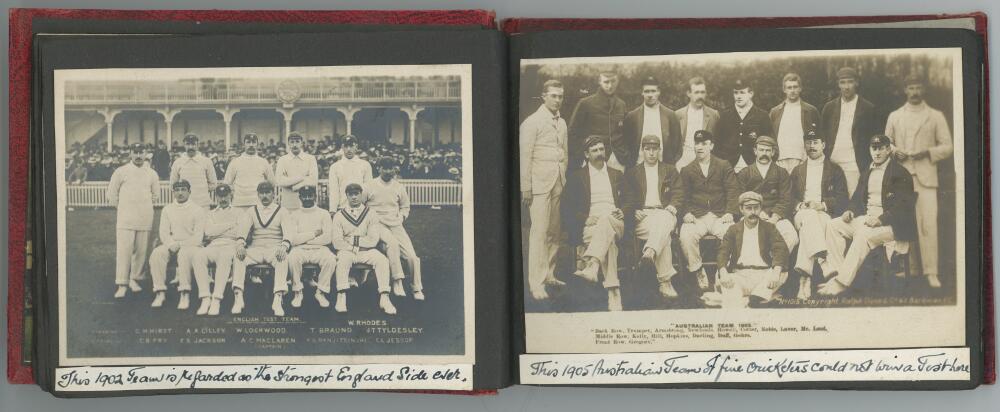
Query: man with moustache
[(774, 187), (221, 229), (309, 230), (653, 194), (132, 190), (739, 127), (922, 139), (790, 120), (848, 123), (819, 191), (651, 119), (542, 163), (600, 114), (197, 170), (349, 169), (751, 257), (882, 210), (261, 230), (246, 172), (694, 117), (710, 194), (595, 219), (295, 170), (181, 228)]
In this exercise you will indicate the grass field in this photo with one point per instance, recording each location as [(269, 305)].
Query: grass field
[(101, 326)]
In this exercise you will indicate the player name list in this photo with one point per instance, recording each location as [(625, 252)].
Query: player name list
[(688, 331)]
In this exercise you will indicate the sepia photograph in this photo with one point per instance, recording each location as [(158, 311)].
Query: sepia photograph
[(746, 200), (280, 214)]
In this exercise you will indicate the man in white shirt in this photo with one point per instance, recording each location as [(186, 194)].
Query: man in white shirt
[(295, 170), (848, 123), (245, 172), (221, 229), (595, 219), (791, 120), (197, 169), (262, 223), (181, 228), (543, 176), (349, 169), (651, 119), (694, 117), (750, 258), (388, 198), (132, 190), (923, 139), (308, 230)]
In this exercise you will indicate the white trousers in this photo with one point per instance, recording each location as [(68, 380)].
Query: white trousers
[(750, 282), (158, 267), (543, 236), (222, 256), (851, 173), (347, 258), (399, 248), (788, 234), (600, 238), (788, 164), (321, 256), (266, 255), (691, 234), (865, 239), (812, 241), (655, 229), (130, 254), (927, 226)]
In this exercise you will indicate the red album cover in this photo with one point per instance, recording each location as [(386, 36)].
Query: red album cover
[(529, 25), (21, 38)]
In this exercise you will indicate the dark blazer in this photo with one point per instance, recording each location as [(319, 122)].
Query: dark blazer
[(575, 207), (597, 114), (810, 117), (833, 187), (865, 126), (775, 188), (670, 130), (718, 193), (772, 246), (898, 200), (736, 137), (669, 187)]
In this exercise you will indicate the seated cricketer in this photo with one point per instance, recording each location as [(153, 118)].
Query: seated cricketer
[(819, 191), (591, 208), (882, 211), (261, 224), (222, 229), (653, 195), (772, 184), (180, 237), (751, 257), (356, 233), (308, 230)]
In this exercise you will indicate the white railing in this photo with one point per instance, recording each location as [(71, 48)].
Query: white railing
[(423, 192)]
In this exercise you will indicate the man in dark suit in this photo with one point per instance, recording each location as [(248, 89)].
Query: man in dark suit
[(593, 214), (773, 184), (751, 257), (882, 211), (651, 119), (819, 191), (653, 195), (694, 117), (848, 122), (739, 127), (710, 193), (600, 114), (790, 120)]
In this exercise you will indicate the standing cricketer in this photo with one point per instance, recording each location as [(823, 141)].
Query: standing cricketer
[(132, 190), (349, 169), (246, 172), (197, 169), (181, 227), (295, 170)]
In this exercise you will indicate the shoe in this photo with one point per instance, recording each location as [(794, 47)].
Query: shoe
[(805, 288), (185, 301), (134, 286), (539, 294), (589, 272), (237, 303), (667, 289), (205, 304), (174, 281), (276, 305), (158, 299), (933, 281), (702, 279), (756, 302), (341, 305), (831, 288), (418, 295), (120, 292), (614, 300), (397, 288), (386, 304), (297, 299), (552, 281), (323, 302), (213, 308)]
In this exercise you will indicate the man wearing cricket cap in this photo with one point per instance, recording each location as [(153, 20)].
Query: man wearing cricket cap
[(197, 169), (245, 172), (772, 184), (221, 231), (751, 257), (295, 170)]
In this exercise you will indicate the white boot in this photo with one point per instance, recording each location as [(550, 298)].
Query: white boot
[(205, 304), (297, 299), (237, 302), (341, 305), (386, 304), (120, 292), (213, 307), (134, 286), (418, 295), (321, 299), (397, 288), (185, 301), (276, 305), (159, 298)]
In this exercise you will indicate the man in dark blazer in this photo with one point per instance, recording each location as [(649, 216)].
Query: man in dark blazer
[(848, 122), (694, 117), (882, 211), (600, 114), (773, 184), (819, 191), (592, 209), (710, 193), (653, 195), (751, 257), (651, 119), (739, 127), (790, 120)]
